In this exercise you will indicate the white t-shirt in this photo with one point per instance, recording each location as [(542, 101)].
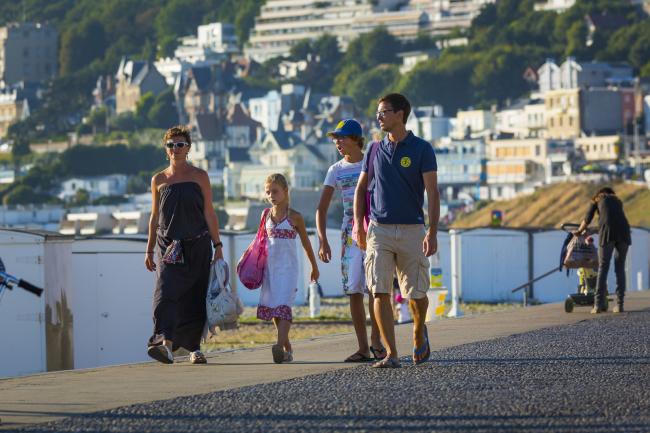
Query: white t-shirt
[(343, 176)]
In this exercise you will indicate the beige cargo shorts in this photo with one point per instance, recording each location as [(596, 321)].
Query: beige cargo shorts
[(396, 249)]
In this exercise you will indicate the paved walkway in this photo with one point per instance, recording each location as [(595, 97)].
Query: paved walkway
[(53, 396)]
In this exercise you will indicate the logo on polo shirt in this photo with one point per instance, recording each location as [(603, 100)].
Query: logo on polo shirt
[(405, 162)]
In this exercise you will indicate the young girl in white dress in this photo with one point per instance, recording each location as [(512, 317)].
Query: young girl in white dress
[(280, 282)]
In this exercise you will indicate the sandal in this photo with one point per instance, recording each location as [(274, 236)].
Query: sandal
[(421, 354), (377, 353), (288, 356), (357, 357), (387, 363), (197, 357)]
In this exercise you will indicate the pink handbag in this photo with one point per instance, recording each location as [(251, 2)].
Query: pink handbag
[(250, 268)]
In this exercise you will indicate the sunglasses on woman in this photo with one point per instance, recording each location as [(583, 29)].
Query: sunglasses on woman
[(178, 144)]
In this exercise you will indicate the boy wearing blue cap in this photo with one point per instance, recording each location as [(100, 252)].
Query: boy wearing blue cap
[(343, 176)]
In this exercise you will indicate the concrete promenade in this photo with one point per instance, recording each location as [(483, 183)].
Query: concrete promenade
[(470, 346)]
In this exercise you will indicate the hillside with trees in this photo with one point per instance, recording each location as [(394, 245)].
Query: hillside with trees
[(95, 35), (503, 41)]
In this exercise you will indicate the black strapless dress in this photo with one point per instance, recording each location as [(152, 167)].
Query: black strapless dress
[(179, 297)]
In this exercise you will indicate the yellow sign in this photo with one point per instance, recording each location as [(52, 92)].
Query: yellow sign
[(405, 162)]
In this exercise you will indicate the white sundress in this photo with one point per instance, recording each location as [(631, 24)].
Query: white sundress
[(280, 283)]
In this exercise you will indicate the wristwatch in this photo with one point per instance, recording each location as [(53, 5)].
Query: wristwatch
[(217, 244)]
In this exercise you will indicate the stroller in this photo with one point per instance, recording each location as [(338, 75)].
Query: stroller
[(587, 275)]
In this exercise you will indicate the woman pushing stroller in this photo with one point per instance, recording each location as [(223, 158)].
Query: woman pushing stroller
[(614, 238)]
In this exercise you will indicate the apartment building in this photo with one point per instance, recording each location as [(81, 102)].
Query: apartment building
[(563, 113), (599, 148), (283, 23), (448, 15), (28, 52)]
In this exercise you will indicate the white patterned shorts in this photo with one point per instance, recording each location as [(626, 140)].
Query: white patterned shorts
[(352, 271)]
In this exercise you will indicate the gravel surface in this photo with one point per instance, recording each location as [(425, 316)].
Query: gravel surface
[(593, 376)]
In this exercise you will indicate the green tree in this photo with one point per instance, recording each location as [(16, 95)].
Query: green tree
[(301, 50), (21, 194), (366, 88), (498, 75), (81, 44), (143, 106), (19, 148), (81, 198), (98, 119), (162, 113), (108, 200)]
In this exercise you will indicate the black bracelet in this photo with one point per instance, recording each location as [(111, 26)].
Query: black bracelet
[(217, 244)]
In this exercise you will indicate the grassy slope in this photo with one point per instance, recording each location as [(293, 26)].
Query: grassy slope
[(555, 204)]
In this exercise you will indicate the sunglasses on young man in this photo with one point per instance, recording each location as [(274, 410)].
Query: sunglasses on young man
[(178, 144)]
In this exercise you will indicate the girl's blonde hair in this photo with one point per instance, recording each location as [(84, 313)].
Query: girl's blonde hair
[(277, 178), (280, 180)]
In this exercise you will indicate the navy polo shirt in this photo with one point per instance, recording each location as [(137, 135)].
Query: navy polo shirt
[(397, 188)]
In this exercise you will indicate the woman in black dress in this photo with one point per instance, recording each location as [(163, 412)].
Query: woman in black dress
[(182, 223), (614, 237)]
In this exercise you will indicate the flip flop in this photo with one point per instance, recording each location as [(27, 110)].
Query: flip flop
[(421, 354), (357, 357), (376, 351)]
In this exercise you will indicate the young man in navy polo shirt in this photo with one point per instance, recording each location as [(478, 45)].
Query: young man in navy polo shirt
[(404, 167)]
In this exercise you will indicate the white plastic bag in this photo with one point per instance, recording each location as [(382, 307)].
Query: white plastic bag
[(223, 306)]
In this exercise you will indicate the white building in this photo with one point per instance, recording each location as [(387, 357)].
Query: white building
[(411, 58), (212, 40), (573, 74), (218, 37), (523, 119), (213, 43), (301, 161), (558, 6), (114, 184), (448, 15), (473, 123), (429, 123), (283, 23), (31, 217), (267, 109)]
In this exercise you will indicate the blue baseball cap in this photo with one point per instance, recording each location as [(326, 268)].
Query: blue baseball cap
[(346, 128)]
